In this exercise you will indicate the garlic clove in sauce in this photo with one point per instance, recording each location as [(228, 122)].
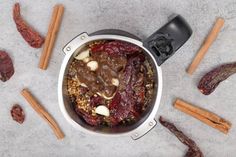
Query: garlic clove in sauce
[(93, 65), (86, 60), (115, 82), (102, 110), (83, 85), (82, 55)]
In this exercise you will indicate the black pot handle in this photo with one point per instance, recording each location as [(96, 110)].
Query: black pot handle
[(168, 39)]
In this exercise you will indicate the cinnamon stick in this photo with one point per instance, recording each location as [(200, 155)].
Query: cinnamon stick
[(51, 36), (206, 45), (203, 115), (43, 113)]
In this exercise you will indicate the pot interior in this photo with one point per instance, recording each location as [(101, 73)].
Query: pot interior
[(107, 130)]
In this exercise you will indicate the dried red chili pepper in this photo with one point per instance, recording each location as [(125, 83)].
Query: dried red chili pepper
[(6, 66), (125, 103), (194, 150), (18, 114), (95, 101), (28, 33), (212, 79), (92, 120), (89, 118), (116, 48)]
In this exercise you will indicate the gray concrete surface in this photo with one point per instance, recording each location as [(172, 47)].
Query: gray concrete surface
[(140, 17)]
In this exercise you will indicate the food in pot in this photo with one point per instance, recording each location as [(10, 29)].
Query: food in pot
[(32, 37), (193, 149), (18, 114), (6, 66), (110, 83), (212, 79)]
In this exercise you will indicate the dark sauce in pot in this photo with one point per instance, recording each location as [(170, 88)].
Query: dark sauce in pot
[(114, 74)]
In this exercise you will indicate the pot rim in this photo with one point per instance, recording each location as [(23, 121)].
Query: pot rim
[(69, 50)]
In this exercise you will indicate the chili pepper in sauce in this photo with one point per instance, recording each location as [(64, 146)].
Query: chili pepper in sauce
[(88, 117), (28, 33), (96, 100), (92, 120), (6, 66), (125, 103), (193, 149), (116, 48), (212, 79)]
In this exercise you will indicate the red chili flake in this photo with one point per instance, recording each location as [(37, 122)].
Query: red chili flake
[(28, 33), (116, 48), (18, 114), (6, 66)]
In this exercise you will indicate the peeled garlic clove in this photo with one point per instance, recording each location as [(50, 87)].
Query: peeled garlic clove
[(115, 82), (86, 60), (102, 110), (83, 85), (82, 55), (93, 65)]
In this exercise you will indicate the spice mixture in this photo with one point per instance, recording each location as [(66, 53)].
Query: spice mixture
[(110, 83)]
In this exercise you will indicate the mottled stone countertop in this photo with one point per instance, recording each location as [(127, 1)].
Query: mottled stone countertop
[(140, 17)]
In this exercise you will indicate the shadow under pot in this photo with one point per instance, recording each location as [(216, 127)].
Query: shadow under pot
[(110, 81)]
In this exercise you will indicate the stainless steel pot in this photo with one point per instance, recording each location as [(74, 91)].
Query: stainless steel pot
[(158, 48)]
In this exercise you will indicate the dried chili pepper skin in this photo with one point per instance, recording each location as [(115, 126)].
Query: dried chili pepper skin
[(194, 150), (116, 48), (126, 102), (212, 79), (18, 114), (6, 66), (32, 37)]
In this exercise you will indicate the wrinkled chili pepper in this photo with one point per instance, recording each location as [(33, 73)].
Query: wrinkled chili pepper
[(88, 117), (28, 33), (95, 101), (212, 79), (194, 150), (126, 103), (92, 120), (116, 48), (6, 66)]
